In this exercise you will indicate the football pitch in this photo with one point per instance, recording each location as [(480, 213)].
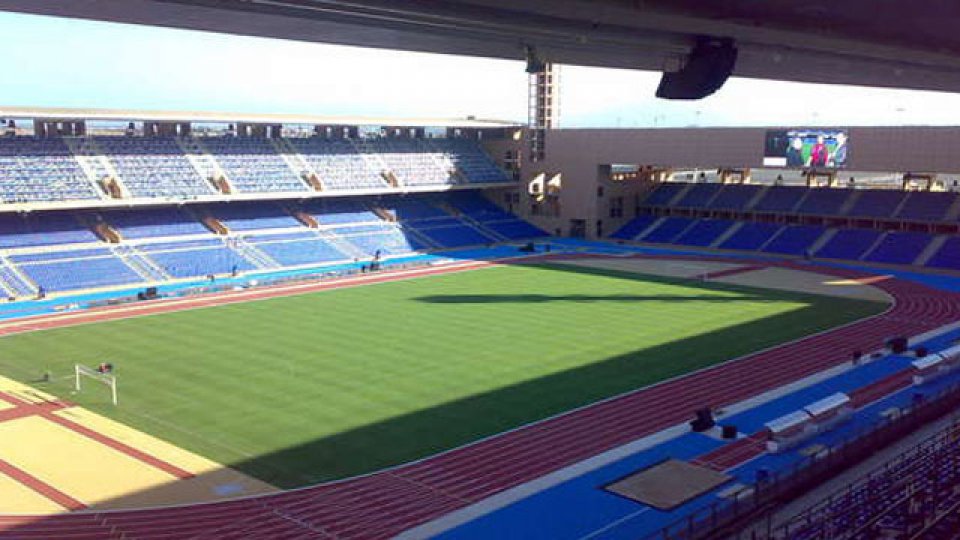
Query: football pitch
[(302, 389)]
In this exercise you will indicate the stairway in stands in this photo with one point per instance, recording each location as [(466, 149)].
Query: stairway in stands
[(140, 263), (474, 224), (94, 163), (297, 163), (14, 280), (252, 253), (203, 161), (373, 160), (341, 244)]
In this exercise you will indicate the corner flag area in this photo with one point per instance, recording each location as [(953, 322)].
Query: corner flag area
[(98, 462)]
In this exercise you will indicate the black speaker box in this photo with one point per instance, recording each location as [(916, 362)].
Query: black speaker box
[(897, 345), (708, 66), (703, 421)]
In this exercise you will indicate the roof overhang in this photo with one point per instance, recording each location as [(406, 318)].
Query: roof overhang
[(897, 43), (132, 115)]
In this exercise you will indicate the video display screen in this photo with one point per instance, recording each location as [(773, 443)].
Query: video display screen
[(800, 148)]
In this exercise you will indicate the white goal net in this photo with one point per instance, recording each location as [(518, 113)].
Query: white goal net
[(107, 379)]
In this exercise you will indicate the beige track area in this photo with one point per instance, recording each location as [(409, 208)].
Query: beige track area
[(784, 279), (656, 267)]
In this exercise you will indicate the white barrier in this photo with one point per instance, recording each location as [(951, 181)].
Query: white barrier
[(788, 431), (829, 411), (935, 365)]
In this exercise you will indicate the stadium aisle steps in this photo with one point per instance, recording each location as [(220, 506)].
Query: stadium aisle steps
[(928, 206), (932, 248), (734, 197), (703, 232), (727, 234), (634, 227), (850, 244), (851, 202), (667, 230), (953, 213), (794, 240), (899, 248), (825, 238), (757, 197), (751, 236), (947, 256)]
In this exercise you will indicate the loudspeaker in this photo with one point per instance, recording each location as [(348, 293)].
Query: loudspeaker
[(729, 432), (703, 421), (708, 66), (897, 345)]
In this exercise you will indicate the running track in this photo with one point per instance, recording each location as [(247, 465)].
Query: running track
[(383, 504)]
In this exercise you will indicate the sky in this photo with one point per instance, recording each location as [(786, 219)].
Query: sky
[(108, 65)]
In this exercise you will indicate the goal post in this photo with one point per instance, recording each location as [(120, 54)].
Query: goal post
[(107, 379)]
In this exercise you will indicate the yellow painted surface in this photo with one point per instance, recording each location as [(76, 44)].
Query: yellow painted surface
[(85, 469), (15, 498), (24, 392), (213, 481), (4, 406)]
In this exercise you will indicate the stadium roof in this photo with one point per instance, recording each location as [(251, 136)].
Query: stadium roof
[(56, 113), (895, 43)]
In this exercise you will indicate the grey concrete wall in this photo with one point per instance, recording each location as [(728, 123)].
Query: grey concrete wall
[(577, 154)]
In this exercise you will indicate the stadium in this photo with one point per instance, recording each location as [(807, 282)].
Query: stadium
[(262, 326)]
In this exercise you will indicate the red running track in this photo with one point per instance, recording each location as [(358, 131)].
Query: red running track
[(386, 503)]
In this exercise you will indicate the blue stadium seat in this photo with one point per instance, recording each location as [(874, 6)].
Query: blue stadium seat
[(794, 240), (667, 230), (824, 201), (41, 170), (78, 269), (734, 196), (196, 258), (877, 203), (253, 165), (751, 236), (634, 227), (153, 222), (245, 216), (154, 167), (704, 232), (664, 193), (780, 199), (46, 229), (849, 244), (899, 248), (699, 195), (947, 257), (927, 206)]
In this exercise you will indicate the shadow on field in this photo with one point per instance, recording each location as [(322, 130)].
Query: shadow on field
[(539, 298), (426, 432)]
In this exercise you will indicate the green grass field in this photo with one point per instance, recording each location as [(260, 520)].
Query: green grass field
[(308, 388)]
